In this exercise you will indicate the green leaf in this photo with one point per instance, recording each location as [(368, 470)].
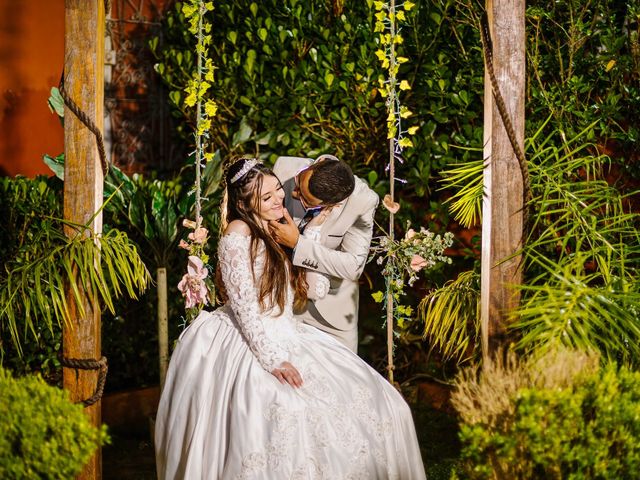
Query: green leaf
[(136, 210), (243, 134), (249, 62), (56, 165), (328, 78), (56, 103)]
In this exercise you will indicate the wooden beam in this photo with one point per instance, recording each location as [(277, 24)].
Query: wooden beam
[(503, 185), (83, 179)]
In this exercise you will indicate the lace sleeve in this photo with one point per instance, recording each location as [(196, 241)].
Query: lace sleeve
[(318, 285), (233, 255)]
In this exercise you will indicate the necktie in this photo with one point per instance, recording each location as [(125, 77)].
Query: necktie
[(308, 216)]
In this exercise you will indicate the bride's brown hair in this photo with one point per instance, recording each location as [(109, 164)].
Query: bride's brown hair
[(243, 203)]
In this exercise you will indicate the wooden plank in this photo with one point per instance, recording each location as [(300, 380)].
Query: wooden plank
[(503, 201), (84, 82)]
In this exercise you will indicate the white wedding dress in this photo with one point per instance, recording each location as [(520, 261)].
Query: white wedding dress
[(222, 415)]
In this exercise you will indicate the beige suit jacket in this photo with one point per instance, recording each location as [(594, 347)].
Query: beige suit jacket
[(343, 249)]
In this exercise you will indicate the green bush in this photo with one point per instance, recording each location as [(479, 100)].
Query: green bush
[(42, 434), (586, 427), (29, 209)]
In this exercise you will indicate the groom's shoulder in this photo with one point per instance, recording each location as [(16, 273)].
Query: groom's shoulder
[(289, 166), (364, 195)]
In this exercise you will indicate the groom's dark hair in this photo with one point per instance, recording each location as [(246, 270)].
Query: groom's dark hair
[(332, 180)]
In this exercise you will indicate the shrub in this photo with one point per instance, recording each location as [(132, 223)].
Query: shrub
[(553, 418), (42, 434), (29, 209)]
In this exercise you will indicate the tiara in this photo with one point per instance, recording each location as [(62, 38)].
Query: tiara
[(248, 165)]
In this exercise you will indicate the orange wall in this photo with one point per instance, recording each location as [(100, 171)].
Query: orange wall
[(31, 61)]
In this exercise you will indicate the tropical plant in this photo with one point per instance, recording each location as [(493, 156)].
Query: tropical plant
[(20, 200), (34, 288), (42, 433), (451, 316), (581, 264)]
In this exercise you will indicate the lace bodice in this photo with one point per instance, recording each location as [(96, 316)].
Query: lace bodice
[(260, 329)]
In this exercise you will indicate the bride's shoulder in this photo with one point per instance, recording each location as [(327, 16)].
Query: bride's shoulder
[(237, 227)]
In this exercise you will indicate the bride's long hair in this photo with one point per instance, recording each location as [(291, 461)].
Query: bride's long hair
[(242, 202)]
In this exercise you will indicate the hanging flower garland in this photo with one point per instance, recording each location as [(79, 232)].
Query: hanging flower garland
[(402, 259), (196, 285), (389, 18)]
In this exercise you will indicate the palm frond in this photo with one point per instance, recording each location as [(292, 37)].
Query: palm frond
[(580, 309), (95, 268), (451, 317), (466, 179)]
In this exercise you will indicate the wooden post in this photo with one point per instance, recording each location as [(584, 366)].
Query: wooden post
[(163, 324), (83, 178), (503, 185)]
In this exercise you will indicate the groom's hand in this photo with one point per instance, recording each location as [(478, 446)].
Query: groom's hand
[(285, 233)]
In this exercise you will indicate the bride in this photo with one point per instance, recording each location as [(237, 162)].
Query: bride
[(251, 393)]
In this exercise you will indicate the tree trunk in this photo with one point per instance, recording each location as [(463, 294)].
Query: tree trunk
[(163, 328), (84, 82), (503, 183)]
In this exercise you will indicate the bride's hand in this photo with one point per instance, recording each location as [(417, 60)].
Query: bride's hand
[(287, 373)]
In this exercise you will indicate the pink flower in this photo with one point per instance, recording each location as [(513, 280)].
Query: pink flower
[(188, 223), (389, 204), (199, 235), (410, 234), (184, 245), (418, 263), (192, 284)]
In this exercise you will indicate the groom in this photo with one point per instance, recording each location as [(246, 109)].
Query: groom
[(327, 186)]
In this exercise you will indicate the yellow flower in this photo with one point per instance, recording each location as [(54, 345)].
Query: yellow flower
[(205, 126), (402, 59), (400, 16), (190, 100), (378, 5), (405, 143), (380, 16), (404, 85), (188, 10), (409, 5), (413, 130), (210, 108), (381, 55), (405, 112)]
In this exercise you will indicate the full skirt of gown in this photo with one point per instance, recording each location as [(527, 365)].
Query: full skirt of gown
[(223, 416)]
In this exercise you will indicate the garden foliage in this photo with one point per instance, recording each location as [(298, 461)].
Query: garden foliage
[(21, 225), (301, 78), (42, 434), (557, 417)]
